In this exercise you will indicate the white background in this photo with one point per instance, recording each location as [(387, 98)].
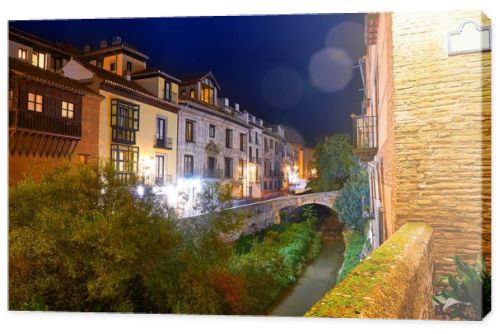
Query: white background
[(52, 322)]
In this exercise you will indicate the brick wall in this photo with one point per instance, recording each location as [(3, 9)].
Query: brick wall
[(89, 144), (442, 134)]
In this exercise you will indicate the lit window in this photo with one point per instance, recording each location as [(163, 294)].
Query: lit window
[(35, 102), (67, 110), (191, 94), (11, 99), (207, 95), (190, 131), (38, 59), (22, 54), (188, 165), (125, 159)]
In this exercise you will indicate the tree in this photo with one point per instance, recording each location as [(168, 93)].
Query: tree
[(333, 158), (83, 240), (349, 202)]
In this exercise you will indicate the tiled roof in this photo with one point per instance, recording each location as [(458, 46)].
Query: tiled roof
[(195, 77), (122, 83), (123, 46), (153, 71), (29, 71), (20, 35)]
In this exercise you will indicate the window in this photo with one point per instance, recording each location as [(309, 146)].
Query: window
[(22, 54), (188, 165), (265, 168), (35, 102), (67, 110), (207, 91), (228, 168), (125, 159), (191, 93), (11, 99), (250, 153), (241, 168), (211, 131), (112, 67), (257, 155), (265, 185), (124, 121), (38, 59), (207, 95), (160, 128), (84, 158), (266, 146), (242, 142), (250, 136), (98, 63), (129, 67), (168, 91), (190, 131), (56, 63), (229, 138), (271, 144), (256, 138), (211, 163), (160, 169)]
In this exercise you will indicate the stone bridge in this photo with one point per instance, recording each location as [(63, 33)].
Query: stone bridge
[(265, 213)]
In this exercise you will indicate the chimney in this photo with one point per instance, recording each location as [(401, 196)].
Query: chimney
[(86, 48), (237, 106), (117, 40), (104, 44)]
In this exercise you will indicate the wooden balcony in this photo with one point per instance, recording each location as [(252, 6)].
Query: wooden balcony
[(39, 134), (365, 141), (44, 123)]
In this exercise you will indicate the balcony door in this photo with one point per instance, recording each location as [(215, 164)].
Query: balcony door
[(160, 169)]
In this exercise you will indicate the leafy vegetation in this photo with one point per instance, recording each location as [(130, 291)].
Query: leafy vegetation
[(468, 295), (333, 159), (350, 199), (355, 243), (274, 264), (81, 240)]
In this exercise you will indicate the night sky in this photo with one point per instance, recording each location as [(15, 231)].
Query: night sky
[(295, 69)]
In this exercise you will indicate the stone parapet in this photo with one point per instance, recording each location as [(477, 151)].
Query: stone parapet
[(394, 282)]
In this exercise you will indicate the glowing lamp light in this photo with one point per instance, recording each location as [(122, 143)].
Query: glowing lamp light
[(140, 190)]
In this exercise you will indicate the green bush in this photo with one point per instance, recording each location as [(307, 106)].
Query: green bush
[(80, 240), (355, 242), (273, 264), (349, 202)]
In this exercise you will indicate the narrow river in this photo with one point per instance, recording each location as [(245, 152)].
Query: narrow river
[(319, 276)]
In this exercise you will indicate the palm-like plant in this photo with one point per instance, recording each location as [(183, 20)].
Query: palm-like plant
[(469, 293)]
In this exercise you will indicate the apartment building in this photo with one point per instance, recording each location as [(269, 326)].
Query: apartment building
[(424, 129), (52, 119), (274, 161)]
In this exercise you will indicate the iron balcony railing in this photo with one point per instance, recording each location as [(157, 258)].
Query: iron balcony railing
[(42, 122), (365, 136), (163, 180), (165, 142)]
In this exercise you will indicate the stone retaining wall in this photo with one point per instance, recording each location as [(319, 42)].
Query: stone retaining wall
[(394, 282)]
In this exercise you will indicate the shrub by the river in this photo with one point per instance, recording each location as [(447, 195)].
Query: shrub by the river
[(274, 264), (355, 243)]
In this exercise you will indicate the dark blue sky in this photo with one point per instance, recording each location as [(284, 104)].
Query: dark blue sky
[(261, 62)]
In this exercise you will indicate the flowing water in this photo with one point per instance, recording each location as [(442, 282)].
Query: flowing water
[(319, 276)]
